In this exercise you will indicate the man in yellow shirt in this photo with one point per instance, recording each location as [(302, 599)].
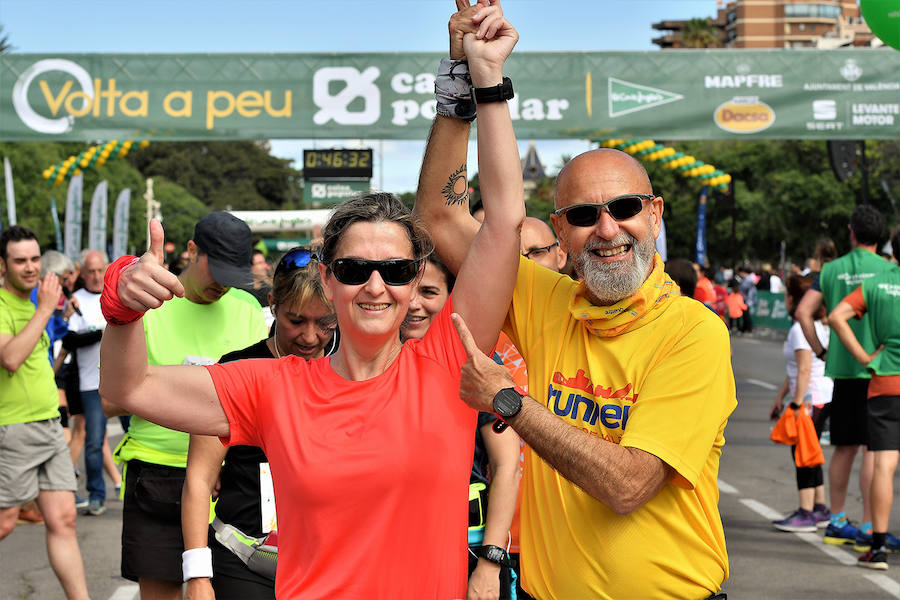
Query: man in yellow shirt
[(632, 387)]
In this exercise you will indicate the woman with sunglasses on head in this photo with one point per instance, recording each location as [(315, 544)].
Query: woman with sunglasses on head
[(370, 448), (245, 511), (495, 464)]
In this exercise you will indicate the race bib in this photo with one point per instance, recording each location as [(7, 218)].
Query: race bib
[(267, 499)]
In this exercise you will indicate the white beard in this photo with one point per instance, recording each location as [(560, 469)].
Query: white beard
[(610, 282)]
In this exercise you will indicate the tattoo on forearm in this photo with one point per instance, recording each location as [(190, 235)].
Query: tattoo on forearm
[(456, 190)]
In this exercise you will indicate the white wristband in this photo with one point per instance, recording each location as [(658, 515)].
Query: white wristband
[(196, 562)]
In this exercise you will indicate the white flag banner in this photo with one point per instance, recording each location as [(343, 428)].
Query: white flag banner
[(10, 192), (120, 224), (97, 222), (73, 217)]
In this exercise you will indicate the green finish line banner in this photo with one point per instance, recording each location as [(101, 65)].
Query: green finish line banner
[(771, 311), (682, 94)]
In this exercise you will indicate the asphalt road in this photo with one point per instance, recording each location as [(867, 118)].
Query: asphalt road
[(756, 479)]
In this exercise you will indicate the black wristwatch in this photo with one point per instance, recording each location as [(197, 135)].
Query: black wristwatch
[(496, 93), (507, 403), (821, 355), (494, 554)]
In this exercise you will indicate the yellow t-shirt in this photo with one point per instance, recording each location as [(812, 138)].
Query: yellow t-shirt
[(664, 385)]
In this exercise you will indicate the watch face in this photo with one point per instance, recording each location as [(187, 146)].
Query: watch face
[(493, 554), (507, 403)]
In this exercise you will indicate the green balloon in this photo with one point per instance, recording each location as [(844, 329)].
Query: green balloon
[(883, 18)]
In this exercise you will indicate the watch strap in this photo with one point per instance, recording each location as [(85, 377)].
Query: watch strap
[(496, 93)]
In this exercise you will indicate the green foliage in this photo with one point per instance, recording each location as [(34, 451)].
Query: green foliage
[(5, 46), (29, 159), (180, 212), (540, 203), (408, 198), (699, 33), (784, 190), (238, 175)]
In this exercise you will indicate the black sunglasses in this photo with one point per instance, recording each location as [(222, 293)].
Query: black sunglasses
[(539, 252), (619, 208), (295, 258), (357, 271)]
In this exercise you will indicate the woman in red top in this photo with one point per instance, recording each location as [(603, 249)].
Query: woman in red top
[(371, 456)]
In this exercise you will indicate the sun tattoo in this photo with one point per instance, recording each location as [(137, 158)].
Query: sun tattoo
[(456, 190)]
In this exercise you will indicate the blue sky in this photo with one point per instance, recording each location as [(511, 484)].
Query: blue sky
[(111, 26)]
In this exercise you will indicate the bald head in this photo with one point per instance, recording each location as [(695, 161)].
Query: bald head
[(596, 177), (538, 244), (94, 256), (537, 230), (606, 164), (93, 271)]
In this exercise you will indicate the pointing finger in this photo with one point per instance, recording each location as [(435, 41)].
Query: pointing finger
[(462, 4), (465, 335)]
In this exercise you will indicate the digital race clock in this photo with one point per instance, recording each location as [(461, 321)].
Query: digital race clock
[(328, 164)]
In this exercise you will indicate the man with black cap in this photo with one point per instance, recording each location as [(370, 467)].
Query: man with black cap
[(212, 318)]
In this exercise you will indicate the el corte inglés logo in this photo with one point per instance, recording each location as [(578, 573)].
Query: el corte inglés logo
[(744, 115)]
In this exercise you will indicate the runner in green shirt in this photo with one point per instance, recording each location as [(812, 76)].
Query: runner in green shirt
[(33, 449), (878, 298), (848, 406)]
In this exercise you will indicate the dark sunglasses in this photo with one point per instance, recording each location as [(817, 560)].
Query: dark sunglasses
[(295, 258), (357, 271), (539, 252), (619, 208)]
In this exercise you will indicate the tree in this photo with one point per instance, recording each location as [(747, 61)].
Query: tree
[(784, 190), (237, 175), (29, 159), (699, 33), (5, 46)]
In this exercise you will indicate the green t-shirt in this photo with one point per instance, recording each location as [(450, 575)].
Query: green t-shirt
[(182, 332), (882, 296), (30, 393), (840, 277)]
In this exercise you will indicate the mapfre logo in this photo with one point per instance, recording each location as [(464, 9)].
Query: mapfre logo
[(744, 115)]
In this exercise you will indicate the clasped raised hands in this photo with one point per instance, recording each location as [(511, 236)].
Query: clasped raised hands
[(480, 33), (147, 283)]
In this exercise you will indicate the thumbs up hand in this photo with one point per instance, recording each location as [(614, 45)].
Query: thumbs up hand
[(147, 284), (481, 378)]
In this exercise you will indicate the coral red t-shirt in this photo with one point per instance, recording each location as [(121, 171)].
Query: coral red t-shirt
[(371, 477)]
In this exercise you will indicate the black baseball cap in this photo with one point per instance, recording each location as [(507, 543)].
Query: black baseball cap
[(228, 245)]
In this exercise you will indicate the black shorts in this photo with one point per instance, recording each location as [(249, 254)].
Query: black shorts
[(849, 414), (73, 399), (151, 522), (884, 423)]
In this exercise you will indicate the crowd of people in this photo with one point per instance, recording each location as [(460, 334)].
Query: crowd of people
[(365, 378)]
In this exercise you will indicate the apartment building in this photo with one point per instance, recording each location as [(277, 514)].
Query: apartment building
[(777, 24)]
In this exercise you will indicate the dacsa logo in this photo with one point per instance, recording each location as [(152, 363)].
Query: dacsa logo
[(744, 115)]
